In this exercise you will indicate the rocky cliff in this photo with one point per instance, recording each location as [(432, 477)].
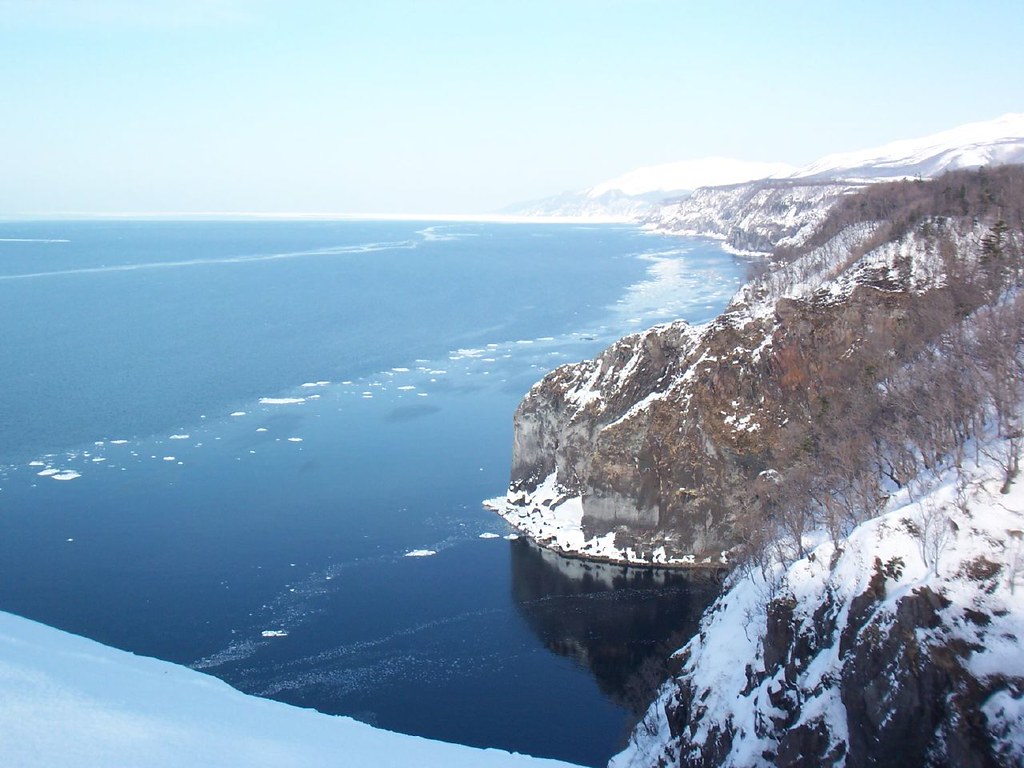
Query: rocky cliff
[(754, 217), (847, 437), (665, 448)]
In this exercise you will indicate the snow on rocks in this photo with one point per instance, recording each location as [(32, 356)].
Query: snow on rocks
[(554, 519), (792, 655)]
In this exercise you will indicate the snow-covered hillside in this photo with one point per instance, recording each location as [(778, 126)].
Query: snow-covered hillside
[(993, 142), (636, 193), (68, 701), (920, 609)]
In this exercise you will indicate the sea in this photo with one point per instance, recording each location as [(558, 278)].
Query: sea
[(259, 449)]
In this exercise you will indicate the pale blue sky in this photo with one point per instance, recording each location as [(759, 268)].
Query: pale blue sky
[(225, 105)]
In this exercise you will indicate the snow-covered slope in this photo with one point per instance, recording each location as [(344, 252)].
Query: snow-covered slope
[(637, 192), (67, 701), (920, 610), (994, 142)]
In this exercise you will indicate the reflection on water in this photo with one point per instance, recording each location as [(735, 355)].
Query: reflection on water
[(619, 623)]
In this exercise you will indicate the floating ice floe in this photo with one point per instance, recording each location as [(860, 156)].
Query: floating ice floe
[(48, 472), (119, 442), (37, 463), (281, 400), (400, 370), (294, 439), (169, 458), (512, 537), (406, 388), (274, 633), (316, 384), (179, 437), (238, 413), (489, 535), (420, 553), (67, 474)]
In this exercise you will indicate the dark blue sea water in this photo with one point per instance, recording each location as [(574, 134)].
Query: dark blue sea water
[(210, 431)]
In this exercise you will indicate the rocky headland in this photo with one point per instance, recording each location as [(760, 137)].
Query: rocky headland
[(855, 410)]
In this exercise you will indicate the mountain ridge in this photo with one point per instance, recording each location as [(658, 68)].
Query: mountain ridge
[(652, 193)]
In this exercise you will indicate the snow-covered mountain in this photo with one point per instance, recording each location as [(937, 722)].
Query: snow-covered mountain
[(635, 193), (68, 701), (993, 142), (763, 214)]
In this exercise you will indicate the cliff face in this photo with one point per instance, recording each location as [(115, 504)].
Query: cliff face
[(849, 433), (677, 444), (752, 217), (657, 450)]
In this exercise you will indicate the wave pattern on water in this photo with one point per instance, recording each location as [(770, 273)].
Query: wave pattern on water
[(248, 259)]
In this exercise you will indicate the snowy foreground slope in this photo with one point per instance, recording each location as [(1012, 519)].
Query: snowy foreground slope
[(807, 664), (68, 701)]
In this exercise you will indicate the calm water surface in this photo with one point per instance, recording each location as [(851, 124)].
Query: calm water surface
[(214, 432)]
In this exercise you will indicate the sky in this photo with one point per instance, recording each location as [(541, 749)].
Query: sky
[(462, 106)]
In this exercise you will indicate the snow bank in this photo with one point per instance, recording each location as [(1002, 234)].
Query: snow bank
[(68, 701)]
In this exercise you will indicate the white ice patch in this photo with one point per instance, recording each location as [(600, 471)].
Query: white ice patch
[(238, 413), (274, 633), (294, 439), (48, 472), (67, 474), (125, 442), (420, 553), (489, 536), (179, 437), (281, 400)]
